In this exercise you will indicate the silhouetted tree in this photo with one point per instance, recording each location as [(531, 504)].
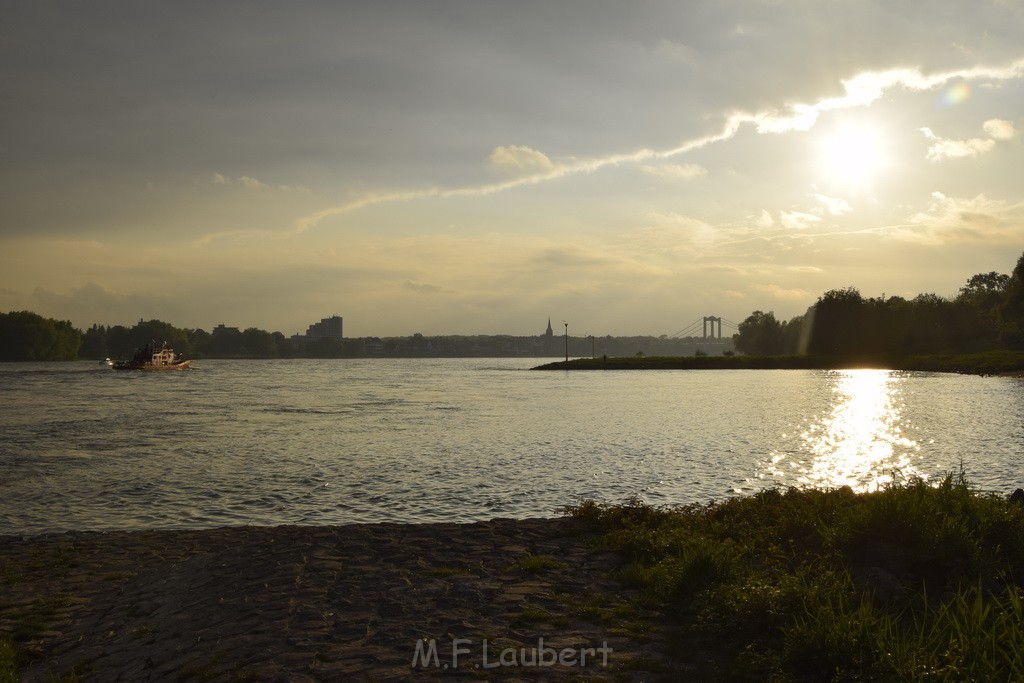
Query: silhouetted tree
[(285, 347), (119, 342), (27, 336), (836, 323), (978, 303), (94, 343), (1011, 311), (225, 341), (794, 335), (199, 340), (324, 348), (759, 335), (258, 343)]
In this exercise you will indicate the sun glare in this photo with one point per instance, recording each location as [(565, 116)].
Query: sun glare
[(860, 444), (853, 156)]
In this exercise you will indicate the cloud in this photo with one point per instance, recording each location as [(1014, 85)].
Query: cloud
[(676, 52), (835, 205), (765, 220), (779, 292), (668, 233), (999, 129), (250, 183), (521, 159), (860, 90), (798, 220), (941, 148), (94, 303), (675, 171), (571, 257), (867, 87), (423, 287), (972, 220)]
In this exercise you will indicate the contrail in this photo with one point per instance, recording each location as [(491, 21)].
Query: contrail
[(860, 91)]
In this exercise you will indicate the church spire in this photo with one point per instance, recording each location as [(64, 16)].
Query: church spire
[(549, 332)]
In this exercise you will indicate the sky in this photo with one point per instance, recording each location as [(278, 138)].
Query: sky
[(478, 167)]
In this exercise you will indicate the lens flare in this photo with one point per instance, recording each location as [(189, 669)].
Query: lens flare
[(956, 93)]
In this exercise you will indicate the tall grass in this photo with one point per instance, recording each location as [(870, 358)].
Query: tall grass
[(8, 662), (913, 582)]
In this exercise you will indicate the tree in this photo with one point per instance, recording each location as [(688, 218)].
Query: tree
[(94, 343), (119, 342), (285, 347), (980, 300), (759, 335), (794, 335), (1011, 310), (225, 341), (256, 342), (28, 336), (199, 339), (985, 283), (836, 323), (934, 326)]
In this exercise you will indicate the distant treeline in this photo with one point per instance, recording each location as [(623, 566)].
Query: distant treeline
[(28, 336), (986, 314)]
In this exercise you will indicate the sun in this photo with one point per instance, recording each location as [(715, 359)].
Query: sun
[(853, 156)]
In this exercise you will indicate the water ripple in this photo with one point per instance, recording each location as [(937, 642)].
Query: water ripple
[(328, 442)]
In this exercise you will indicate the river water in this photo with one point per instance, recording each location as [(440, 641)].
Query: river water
[(370, 440)]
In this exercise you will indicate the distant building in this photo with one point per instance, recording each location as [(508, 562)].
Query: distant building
[(328, 328)]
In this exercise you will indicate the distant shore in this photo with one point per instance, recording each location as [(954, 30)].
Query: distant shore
[(1008, 363), (315, 603)]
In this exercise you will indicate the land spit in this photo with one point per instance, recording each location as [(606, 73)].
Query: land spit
[(504, 599)]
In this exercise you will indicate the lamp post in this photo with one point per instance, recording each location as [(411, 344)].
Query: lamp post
[(566, 341)]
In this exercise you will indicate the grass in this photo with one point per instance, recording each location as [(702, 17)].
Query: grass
[(442, 572), (913, 582), (535, 564), (539, 615), (986, 363), (8, 662), (28, 621)]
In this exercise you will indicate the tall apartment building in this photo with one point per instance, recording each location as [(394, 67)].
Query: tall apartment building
[(328, 328)]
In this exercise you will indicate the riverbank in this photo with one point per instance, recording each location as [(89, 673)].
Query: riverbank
[(987, 363), (910, 582), (916, 581), (321, 603)]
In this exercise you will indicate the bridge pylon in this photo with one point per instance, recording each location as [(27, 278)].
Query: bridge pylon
[(713, 319)]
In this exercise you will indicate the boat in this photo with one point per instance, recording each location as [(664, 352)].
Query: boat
[(106, 361), (151, 358)]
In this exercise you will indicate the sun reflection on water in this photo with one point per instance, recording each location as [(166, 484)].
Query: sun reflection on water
[(859, 443)]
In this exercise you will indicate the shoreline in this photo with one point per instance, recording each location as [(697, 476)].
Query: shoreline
[(351, 602), (990, 363)]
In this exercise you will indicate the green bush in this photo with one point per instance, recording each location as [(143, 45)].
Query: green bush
[(913, 582)]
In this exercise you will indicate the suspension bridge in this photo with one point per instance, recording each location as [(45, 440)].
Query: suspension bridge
[(708, 327)]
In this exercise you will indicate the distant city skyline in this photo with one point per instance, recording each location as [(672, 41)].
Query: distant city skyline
[(474, 167)]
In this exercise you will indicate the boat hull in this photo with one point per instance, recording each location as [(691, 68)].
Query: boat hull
[(150, 358), (149, 367)]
